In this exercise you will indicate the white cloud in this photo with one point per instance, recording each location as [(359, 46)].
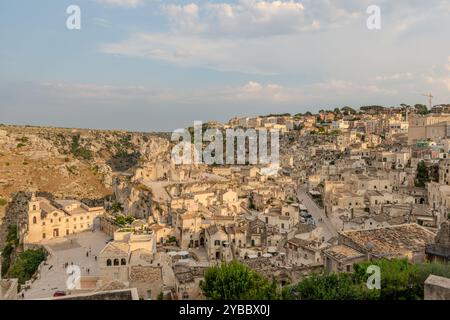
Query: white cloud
[(219, 54), (437, 81), (395, 76), (183, 17), (255, 91), (122, 3), (246, 18)]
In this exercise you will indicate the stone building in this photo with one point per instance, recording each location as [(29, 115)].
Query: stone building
[(54, 219), (440, 250)]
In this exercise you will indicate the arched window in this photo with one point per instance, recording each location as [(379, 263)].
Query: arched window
[(116, 262), (108, 263), (34, 220), (217, 243), (123, 262)]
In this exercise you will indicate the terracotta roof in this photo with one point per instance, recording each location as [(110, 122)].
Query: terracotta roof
[(342, 252), (392, 240)]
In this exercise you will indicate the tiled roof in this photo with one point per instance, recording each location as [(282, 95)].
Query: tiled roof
[(392, 240)]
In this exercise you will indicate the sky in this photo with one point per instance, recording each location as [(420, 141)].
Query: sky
[(158, 65)]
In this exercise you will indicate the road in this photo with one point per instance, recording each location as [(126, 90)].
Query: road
[(328, 229)]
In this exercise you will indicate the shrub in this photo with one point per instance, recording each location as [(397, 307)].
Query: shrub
[(122, 221), (3, 202), (6, 258), (332, 286), (116, 207), (26, 264)]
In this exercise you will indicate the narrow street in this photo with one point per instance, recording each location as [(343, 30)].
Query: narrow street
[(316, 212)]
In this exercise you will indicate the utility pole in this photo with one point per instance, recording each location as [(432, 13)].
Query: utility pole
[(430, 99)]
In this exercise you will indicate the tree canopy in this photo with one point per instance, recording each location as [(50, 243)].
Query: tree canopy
[(235, 281), (422, 174), (400, 280), (26, 264), (331, 286)]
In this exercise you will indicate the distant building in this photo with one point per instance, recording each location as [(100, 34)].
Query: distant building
[(432, 126)]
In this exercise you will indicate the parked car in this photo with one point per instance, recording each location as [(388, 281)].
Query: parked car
[(59, 294)]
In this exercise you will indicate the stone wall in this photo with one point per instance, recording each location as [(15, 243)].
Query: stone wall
[(437, 288)]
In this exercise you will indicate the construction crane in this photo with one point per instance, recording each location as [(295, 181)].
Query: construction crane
[(430, 98)]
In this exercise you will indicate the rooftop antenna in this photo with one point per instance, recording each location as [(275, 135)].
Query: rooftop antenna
[(430, 98)]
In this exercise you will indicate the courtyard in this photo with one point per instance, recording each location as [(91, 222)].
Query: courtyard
[(77, 249)]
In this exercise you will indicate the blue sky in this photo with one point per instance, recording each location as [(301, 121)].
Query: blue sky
[(159, 65)]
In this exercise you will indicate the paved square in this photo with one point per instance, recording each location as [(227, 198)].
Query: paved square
[(71, 249)]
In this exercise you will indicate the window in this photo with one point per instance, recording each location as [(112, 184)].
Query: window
[(43, 223), (34, 220), (217, 243), (34, 207), (67, 220), (108, 263), (67, 232), (43, 236), (116, 262), (123, 262)]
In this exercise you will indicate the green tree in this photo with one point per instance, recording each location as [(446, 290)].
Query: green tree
[(331, 286), (348, 110), (422, 174), (235, 281), (26, 264), (421, 108), (399, 279), (7, 252)]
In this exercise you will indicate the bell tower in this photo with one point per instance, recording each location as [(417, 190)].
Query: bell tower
[(33, 210)]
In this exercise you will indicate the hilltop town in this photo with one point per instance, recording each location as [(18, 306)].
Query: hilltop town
[(112, 207)]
